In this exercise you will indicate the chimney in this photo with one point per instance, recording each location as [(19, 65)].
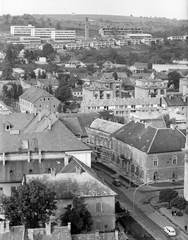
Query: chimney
[(97, 235), (116, 234), (173, 126), (69, 226), (30, 234), (78, 170), (49, 124), (2, 227), (53, 172), (48, 228), (7, 226), (39, 116)]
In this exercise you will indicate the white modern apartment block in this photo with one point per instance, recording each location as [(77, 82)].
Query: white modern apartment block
[(118, 31), (21, 30), (184, 37), (43, 33)]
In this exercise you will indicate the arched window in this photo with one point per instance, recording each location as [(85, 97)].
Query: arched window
[(155, 176), (137, 171), (174, 175), (132, 168)]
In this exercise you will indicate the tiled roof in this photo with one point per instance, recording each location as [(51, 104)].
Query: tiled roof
[(136, 135), (149, 139), (42, 124), (69, 183), (122, 75), (33, 94), (76, 125), (59, 138), (175, 101), (105, 126), (86, 118), (141, 65), (17, 120), (157, 123), (92, 236), (168, 140), (16, 233), (49, 81)]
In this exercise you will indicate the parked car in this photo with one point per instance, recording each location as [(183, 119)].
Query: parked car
[(117, 182), (170, 231)]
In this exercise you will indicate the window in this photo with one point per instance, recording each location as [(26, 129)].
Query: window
[(98, 207), (98, 225), (11, 173), (174, 160), (155, 162), (30, 171)]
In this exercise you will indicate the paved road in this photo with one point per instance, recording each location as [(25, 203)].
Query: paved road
[(143, 213)]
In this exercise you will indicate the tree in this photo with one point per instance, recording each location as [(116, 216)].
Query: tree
[(47, 49), (30, 204), (179, 203), (63, 93), (7, 71), (49, 89), (174, 78), (168, 120), (167, 195), (79, 216)]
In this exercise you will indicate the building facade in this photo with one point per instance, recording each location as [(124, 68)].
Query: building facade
[(149, 154), (146, 88), (43, 33), (76, 179), (34, 100)]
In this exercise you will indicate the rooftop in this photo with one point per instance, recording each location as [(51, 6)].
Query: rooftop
[(32, 94), (105, 126), (69, 182), (149, 139)]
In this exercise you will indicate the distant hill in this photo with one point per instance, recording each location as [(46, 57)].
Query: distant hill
[(159, 27)]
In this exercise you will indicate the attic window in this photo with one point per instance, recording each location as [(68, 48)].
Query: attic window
[(8, 127)]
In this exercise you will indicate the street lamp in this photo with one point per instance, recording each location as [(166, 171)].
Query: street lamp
[(146, 183)]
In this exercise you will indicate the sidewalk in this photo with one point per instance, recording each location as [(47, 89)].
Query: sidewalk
[(176, 220), (158, 211)]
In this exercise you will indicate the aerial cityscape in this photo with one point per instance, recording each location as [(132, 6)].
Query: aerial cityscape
[(94, 120)]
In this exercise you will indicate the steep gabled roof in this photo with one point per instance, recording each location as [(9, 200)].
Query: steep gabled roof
[(32, 94), (18, 121), (149, 139), (75, 125), (59, 138), (167, 140), (69, 182), (105, 126)]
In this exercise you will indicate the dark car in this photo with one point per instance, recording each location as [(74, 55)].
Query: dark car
[(117, 182)]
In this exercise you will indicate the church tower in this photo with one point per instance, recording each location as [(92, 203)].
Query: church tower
[(186, 160)]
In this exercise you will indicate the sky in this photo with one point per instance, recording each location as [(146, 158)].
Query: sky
[(155, 8)]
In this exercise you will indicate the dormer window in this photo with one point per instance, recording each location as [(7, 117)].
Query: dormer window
[(7, 126)]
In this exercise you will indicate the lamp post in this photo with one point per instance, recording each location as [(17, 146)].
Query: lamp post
[(146, 183)]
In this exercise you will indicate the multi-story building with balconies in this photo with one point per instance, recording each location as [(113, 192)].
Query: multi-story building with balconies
[(146, 88)]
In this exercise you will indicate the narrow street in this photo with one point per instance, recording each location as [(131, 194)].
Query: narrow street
[(144, 213)]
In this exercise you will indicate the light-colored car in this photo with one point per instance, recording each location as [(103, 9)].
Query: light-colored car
[(170, 231)]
